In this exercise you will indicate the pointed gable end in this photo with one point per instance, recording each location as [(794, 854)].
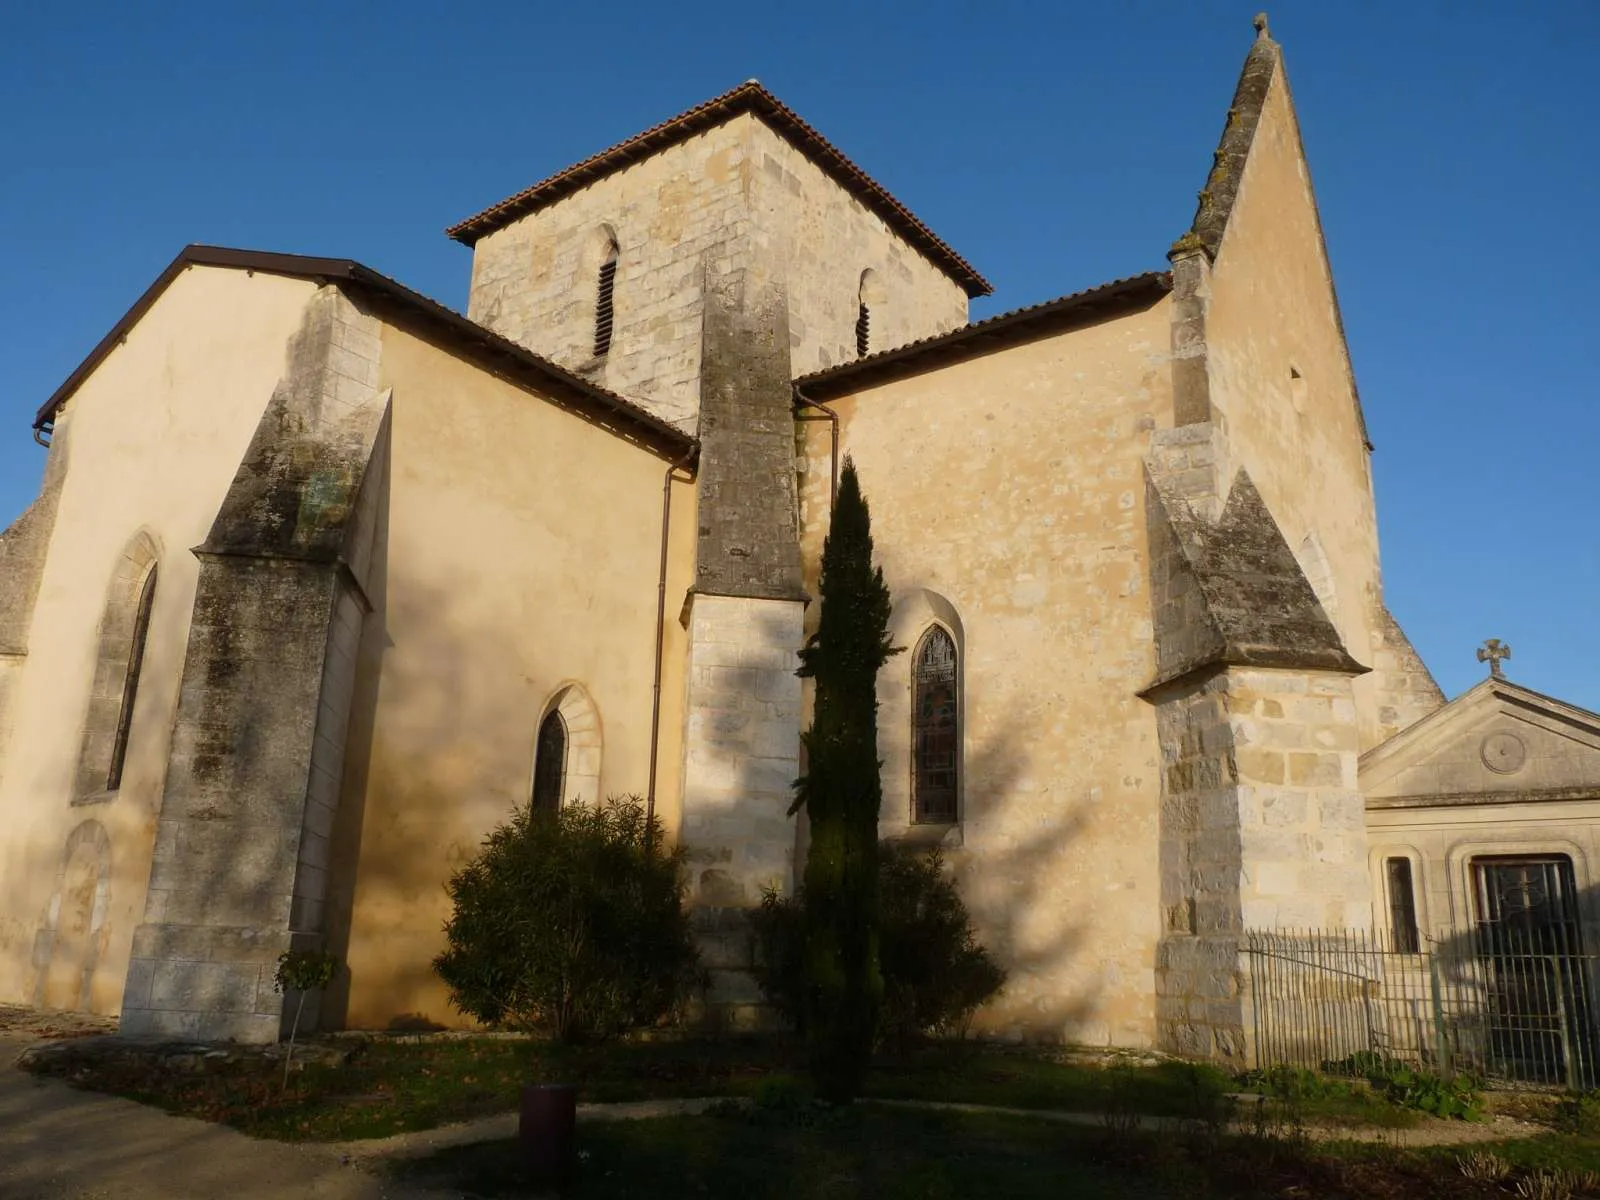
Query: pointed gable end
[(1257, 216), (1499, 743)]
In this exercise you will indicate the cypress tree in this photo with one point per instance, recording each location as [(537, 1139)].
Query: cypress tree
[(841, 793)]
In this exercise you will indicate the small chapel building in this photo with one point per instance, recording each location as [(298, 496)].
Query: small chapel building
[(325, 578)]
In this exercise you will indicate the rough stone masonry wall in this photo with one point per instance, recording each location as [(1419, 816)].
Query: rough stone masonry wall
[(1198, 996), (676, 215), (1405, 690), (1263, 827), (232, 872), (822, 238)]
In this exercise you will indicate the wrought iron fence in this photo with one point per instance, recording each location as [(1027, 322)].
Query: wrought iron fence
[(1507, 1001)]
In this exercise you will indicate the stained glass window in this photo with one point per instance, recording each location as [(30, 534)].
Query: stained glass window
[(550, 764), (936, 739)]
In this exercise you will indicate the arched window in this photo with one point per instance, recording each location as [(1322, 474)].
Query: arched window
[(130, 681), (870, 293), (118, 665), (935, 728), (605, 298), (550, 764)]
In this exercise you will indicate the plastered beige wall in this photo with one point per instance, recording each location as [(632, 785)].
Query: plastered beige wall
[(517, 553), (821, 239), (156, 433), (1272, 312), (1011, 487)]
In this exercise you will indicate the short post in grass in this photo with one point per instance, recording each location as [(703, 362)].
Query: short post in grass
[(548, 1130)]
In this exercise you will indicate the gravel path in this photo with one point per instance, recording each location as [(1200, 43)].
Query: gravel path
[(60, 1143)]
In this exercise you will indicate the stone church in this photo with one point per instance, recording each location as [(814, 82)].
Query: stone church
[(324, 578)]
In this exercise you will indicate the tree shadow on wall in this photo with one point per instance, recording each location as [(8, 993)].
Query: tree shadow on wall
[(1015, 867)]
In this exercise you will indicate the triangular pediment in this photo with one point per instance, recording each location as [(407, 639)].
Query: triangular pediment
[(1497, 743)]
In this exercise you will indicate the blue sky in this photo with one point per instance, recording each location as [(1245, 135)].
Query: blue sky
[(1453, 146)]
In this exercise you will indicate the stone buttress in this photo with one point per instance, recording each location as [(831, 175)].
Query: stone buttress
[(241, 857), (1262, 819), (745, 619)]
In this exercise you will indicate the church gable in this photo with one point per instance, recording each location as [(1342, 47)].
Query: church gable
[(749, 97), (1498, 743), (1264, 352)]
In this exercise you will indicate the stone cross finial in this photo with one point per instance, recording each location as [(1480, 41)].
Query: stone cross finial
[(1491, 652), (1261, 26)]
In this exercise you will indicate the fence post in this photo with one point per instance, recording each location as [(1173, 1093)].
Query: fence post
[(1436, 987), (1567, 1047)]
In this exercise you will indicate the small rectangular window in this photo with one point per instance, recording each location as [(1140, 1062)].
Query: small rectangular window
[(1402, 906)]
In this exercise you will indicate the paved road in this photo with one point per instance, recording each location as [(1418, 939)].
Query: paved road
[(59, 1143)]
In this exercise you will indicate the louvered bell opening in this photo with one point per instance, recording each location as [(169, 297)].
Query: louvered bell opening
[(863, 332), (604, 312)]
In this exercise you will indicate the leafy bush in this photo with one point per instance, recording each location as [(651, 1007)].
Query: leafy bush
[(1579, 1112), (1451, 1096), (571, 922), (935, 974)]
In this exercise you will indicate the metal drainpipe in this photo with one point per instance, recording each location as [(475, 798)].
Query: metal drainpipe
[(833, 419), (661, 624), (46, 429)]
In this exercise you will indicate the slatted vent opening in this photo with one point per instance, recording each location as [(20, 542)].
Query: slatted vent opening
[(604, 313), (863, 332)]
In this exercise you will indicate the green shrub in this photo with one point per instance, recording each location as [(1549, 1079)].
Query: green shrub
[(935, 974), (1579, 1112), (1454, 1096), (1284, 1082), (571, 923)]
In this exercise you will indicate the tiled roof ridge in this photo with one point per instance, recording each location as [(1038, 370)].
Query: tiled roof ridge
[(752, 97)]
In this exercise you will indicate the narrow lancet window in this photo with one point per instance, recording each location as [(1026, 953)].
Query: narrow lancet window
[(1402, 906), (605, 301), (130, 680), (550, 764), (868, 295), (936, 735)]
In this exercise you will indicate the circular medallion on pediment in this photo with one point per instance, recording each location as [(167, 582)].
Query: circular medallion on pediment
[(1503, 753)]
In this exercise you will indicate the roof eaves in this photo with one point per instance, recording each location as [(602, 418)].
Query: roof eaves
[(1130, 294), (750, 97)]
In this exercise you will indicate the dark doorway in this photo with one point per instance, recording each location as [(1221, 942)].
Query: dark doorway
[(1529, 940)]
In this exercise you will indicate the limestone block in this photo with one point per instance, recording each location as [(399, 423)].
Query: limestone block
[(204, 987)]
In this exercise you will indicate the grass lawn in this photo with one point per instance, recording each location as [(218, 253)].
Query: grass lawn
[(865, 1151), (900, 1154), (392, 1086)]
